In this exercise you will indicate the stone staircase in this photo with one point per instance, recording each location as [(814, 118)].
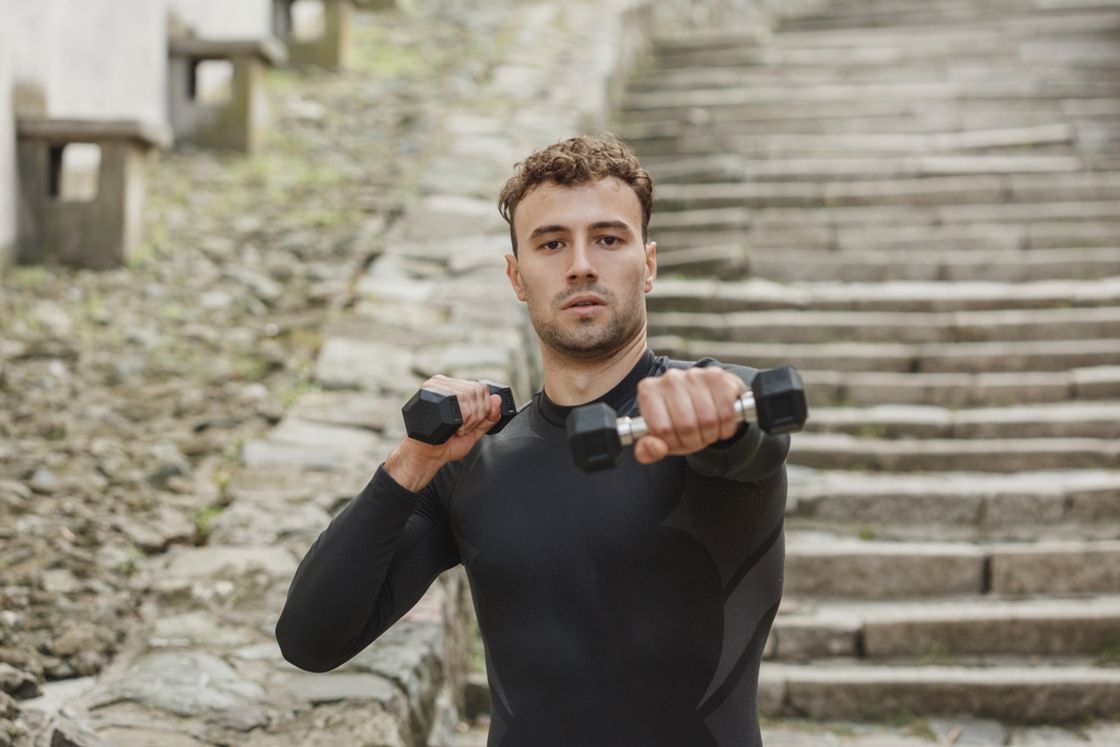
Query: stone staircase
[(918, 205)]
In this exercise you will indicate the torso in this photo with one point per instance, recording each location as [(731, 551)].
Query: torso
[(622, 607)]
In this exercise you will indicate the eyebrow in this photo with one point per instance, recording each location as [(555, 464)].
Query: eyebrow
[(615, 224)]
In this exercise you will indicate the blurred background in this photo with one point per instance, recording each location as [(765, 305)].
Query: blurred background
[(236, 236)]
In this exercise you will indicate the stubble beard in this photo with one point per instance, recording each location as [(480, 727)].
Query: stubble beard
[(588, 339)]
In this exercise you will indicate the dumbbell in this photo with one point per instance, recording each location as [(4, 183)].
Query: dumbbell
[(776, 400), (433, 417)]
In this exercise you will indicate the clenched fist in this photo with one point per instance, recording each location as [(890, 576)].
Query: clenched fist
[(686, 411)]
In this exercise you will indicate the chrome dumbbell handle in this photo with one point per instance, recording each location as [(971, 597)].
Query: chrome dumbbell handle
[(631, 429)]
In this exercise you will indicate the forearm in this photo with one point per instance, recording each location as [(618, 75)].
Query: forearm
[(752, 454), (335, 600), (749, 455)]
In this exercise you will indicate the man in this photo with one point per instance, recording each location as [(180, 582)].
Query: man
[(623, 607)]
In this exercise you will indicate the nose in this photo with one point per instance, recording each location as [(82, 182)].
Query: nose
[(579, 262)]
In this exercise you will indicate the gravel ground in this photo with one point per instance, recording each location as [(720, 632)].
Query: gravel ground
[(125, 395)]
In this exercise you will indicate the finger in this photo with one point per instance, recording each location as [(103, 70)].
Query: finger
[(733, 388), (682, 413), (707, 412), (474, 404), (650, 449), (651, 403)]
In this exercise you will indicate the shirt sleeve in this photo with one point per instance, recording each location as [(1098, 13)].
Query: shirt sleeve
[(365, 571), (750, 454)]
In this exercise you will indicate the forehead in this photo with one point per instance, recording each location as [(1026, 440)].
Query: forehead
[(574, 207)]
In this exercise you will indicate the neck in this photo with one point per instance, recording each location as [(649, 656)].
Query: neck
[(574, 381)]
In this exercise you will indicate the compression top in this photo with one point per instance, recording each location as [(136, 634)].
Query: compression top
[(624, 607)]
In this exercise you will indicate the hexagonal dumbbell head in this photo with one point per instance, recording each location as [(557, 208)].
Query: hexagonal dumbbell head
[(593, 436), (508, 407), (779, 400), (432, 417)]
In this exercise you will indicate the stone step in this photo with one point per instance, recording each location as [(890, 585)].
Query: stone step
[(725, 297), (802, 327), (841, 8), (1087, 127), (1077, 505), (1048, 137), (958, 390), (944, 190), (906, 264), (1026, 693), (932, 358), (847, 452), (684, 78), (1034, 17), (731, 168), (852, 239), (799, 732), (819, 564), (816, 50), (1063, 23), (1003, 217), (872, 116), (1098, 420), (946, 16), (944, 630), (990, 90)]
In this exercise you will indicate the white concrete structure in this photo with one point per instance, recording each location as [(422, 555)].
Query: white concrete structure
[(221, 19), (62, 67), (7, 145)]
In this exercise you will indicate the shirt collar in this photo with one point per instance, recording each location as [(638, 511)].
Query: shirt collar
[(619, 398)]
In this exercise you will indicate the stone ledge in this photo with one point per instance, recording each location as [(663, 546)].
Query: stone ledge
[(271, 51), (62, 131)]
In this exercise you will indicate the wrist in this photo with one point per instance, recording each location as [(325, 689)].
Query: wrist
[(412, 466)]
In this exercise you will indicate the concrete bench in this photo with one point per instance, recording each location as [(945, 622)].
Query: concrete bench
[(327, 50), (98, 230), (240, 121)]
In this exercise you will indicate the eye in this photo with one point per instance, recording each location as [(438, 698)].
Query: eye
[(552, 245), (611, 240)]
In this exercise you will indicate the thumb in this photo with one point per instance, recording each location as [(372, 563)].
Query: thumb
[(650, 449)]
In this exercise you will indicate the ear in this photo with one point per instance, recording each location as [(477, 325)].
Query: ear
[(514, 275), (651, 265)]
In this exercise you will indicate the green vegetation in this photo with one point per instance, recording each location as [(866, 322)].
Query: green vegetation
[(204, 522), (938, 654), (1109, 656), (27, 277), (373, 53), (132, 563), (301, 386)]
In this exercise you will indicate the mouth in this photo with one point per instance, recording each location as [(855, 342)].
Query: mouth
[(584, 302)]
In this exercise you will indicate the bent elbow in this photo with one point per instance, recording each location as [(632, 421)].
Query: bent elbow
[(304, 649)]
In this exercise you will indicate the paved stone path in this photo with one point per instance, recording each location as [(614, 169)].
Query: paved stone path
[(918, 205)]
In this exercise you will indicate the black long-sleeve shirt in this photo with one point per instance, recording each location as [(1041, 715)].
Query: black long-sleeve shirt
[(623, 607)]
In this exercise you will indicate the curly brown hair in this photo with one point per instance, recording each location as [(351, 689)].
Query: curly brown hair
[(576, 161)]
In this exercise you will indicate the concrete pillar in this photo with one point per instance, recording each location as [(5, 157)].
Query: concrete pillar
[(62, 68), (220, 19), (239, 122), (7, 146), (97, 233), (92, 73), (330, 50)]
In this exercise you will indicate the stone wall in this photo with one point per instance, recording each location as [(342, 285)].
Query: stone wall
[(221, 19), (7, 145), (61, 67)]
